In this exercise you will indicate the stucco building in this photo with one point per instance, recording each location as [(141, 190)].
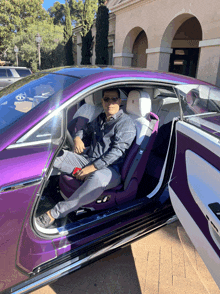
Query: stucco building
[(181, 36)]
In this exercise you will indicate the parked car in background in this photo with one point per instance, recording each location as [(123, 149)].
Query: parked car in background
[(10, 74), (176, 169)]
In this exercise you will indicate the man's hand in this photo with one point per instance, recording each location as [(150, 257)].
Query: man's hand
[(84, 172), (78, 145)]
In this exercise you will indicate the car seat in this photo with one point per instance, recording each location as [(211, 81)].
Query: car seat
[(139, 108), (168, 109), (86, 113)]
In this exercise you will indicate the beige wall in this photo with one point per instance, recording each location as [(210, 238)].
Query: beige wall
[(209, 66), (194, 24), (160, 20)]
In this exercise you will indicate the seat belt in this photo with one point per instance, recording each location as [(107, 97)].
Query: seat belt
[(141, 150)]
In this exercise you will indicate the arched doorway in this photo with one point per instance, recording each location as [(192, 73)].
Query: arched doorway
[(139, 50), (134, 48), (185, 45)]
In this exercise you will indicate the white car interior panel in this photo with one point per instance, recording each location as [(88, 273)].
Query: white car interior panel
[(168, 108), (203, 138)]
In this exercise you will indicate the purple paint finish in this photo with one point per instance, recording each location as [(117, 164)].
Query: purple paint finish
[(22, 164), (13, 207), (17, 165), (213, 119), (135, 75), (180, 185), (33, 250)]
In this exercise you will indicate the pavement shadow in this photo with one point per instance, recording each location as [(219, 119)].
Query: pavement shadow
[(115, 273)]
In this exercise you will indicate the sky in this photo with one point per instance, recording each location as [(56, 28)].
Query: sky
[(48, 3)]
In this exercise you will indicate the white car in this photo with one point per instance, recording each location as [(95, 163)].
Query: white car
[(11, 74)]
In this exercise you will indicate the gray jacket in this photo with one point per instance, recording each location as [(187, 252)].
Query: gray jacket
[(108, 141)]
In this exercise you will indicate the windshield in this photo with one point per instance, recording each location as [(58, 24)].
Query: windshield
[(21, 97)]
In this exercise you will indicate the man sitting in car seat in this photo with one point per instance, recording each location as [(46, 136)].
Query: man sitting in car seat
[(108, 137)]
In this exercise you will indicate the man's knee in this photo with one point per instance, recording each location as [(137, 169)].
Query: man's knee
[(101, 177)]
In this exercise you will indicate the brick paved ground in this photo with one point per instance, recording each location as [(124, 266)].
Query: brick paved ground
[(164, 262)]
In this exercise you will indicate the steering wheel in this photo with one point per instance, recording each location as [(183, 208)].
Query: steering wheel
[(69, 140)]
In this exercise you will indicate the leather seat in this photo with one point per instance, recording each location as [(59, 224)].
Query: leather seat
[(86, 113), (168, 109)]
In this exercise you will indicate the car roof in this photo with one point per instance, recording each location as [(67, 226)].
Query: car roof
[(86, 71), (81, 72)]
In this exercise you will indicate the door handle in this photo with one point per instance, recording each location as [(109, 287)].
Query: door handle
[(21, 185), (215, 208)]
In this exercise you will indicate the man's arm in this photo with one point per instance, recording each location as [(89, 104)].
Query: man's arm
[(79, 145), (84, 172), (79, 148)]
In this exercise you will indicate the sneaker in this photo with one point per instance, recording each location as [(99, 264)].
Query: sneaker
[(44, 221), (55, 227)]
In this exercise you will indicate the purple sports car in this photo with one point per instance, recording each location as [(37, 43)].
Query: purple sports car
[(172, 163)]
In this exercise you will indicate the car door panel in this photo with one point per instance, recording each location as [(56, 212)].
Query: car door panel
[(11, 221), (203, 180), (32, 249), (22, 170), (209, 256), (195, 184), (22, 163)]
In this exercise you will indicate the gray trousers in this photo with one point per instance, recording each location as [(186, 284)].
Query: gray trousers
[(91, 188)]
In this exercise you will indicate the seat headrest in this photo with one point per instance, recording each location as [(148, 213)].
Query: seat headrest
[(138, 103), (89, 100), (94, 99), (168, 101)]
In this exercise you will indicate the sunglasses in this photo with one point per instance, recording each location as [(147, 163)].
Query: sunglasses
[(113, 99)]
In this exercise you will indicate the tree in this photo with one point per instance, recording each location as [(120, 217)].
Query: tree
[(87, 43), (57, 12), (87, 12), (52, 46), (75, 11), (16, 16), (102, 28), (68, 36)]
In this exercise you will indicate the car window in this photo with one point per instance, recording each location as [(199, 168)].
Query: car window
[(23, 72), (9, 73), (51, 130), (3, 73), (201, 106), (199, 99), (21, 100)]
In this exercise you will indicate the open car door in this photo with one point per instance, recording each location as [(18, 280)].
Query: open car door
[(195, 181)]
